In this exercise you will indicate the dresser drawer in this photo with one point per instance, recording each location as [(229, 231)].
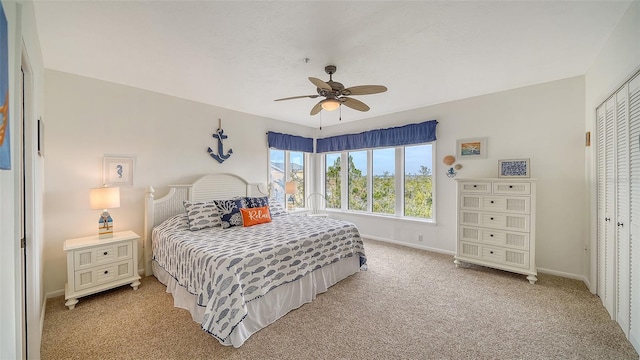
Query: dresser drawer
[(515, 187), (511, 204), (495, 255), (475, 187), (99, 255), (84, 279), (495, 220), (510, 239)]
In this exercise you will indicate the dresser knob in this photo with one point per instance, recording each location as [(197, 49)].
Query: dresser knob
[(510, 186), (620, 224), (607, 219), (491, 235), (106, 272), (492, 201), (491, 218), (490, 252), (105, 253), (475, 185)]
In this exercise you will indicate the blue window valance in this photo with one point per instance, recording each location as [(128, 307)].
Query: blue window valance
[(396, 136), (289, 142)]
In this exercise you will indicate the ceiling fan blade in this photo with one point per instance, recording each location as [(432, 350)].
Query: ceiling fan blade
[(364, 90), (320, 84), (298, 97), (316, 108), (355, 104)]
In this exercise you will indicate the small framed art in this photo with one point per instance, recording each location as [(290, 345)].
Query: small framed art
[(472, 148), (514, 168), (117, 171)]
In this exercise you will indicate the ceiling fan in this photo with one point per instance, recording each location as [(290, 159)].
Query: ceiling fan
[(336, 94)]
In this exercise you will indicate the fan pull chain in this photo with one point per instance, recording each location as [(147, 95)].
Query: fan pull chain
[(340, 118), (320, 120)]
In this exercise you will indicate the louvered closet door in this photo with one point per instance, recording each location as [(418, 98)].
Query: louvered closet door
[(609, 287), (622, 260), (602, 199), (634, 209)]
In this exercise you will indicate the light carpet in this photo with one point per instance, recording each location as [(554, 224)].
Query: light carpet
[(410, 304)]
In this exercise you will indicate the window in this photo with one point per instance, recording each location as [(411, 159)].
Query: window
[(333, 181), (384, 181), (418, 181), (296, 174), (358, 180), (287, 166), (373, 185)]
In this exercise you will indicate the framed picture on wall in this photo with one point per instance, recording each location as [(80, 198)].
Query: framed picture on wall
[(475, 148), (514, 168), (117, 171)]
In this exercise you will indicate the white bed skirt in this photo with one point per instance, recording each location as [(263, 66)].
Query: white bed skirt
[(272, 306)]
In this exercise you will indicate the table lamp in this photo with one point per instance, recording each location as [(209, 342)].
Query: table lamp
[(290, 188), (105, 198)]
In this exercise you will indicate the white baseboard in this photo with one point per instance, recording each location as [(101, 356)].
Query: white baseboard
[(411, 245), (634, 342), (54, 293), (564, 275), (447, 252)]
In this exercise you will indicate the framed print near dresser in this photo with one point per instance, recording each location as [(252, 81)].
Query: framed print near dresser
[(496, 224), (95, 265)]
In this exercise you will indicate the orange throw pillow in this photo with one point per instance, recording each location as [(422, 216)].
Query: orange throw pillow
[(254, 216)]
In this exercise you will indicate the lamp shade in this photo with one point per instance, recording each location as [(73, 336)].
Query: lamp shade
[(290, 187), (105, 198), (330, 104)]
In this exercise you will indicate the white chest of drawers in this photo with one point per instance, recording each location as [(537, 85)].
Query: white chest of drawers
[(95, 264), (496, 224)]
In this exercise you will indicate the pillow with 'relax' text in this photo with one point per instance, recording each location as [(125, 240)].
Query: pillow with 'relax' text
[(255, 216)]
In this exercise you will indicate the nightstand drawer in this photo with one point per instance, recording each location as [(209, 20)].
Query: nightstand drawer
[(84, 279), (95, 256)]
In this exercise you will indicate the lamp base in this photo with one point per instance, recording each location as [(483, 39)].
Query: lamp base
[(105, 226)]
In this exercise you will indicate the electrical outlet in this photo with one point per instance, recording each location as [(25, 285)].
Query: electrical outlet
[(420, 237)]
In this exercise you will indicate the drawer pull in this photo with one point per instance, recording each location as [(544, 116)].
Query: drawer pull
[(620, 224), (475, 185), (510, 186), (490, 252), (491, 218), (106, 272), (491, 235), (105, 253), (492, 201)]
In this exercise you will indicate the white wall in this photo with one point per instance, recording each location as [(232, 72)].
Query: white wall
[(618, 59), (22, 37), (544, 123), (168, 137)]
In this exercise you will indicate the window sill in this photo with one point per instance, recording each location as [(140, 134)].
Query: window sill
[(382, 216)]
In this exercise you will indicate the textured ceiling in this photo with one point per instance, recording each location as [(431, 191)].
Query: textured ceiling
[(242, 55)]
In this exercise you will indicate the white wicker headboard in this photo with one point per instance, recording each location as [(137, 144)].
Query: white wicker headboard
[(208, 187)]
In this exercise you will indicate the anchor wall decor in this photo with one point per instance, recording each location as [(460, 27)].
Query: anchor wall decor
[(219, 134)]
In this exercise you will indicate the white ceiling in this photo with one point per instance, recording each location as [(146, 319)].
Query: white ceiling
[(242, 55)]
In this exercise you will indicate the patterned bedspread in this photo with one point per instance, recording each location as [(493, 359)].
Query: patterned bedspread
[(226, 268)]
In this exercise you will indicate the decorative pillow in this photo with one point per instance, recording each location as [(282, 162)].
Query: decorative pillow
[(229, 211), (202, 215), (255, 202), (277, 209), (255, 216)]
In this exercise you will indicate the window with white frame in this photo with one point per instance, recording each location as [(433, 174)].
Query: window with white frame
[(372, 183), (287, 166)]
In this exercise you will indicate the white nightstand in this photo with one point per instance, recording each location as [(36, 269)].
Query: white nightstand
[(95, 265)]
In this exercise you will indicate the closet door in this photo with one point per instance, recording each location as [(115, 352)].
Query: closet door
[(622, 245), (634, 209), (607, 290), (602, 199)]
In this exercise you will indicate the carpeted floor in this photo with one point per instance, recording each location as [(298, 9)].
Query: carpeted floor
[(410, 304)]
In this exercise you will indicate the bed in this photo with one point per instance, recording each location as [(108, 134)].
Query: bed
[(238, 280)]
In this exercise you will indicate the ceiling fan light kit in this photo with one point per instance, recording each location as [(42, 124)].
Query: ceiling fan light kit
[(330, 104), (336, 94)]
